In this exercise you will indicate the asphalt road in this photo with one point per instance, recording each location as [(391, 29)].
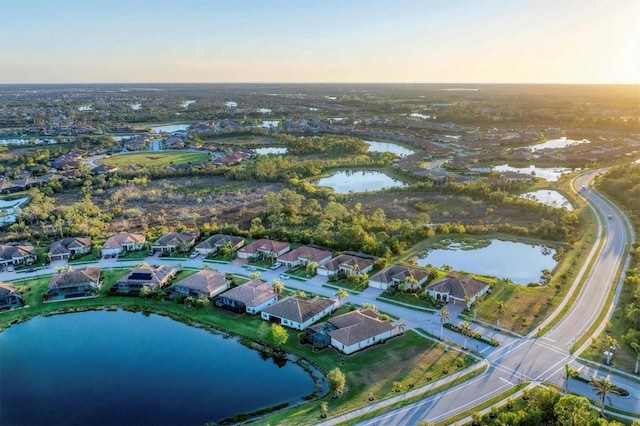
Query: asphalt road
[(525, 358), (542, 359)]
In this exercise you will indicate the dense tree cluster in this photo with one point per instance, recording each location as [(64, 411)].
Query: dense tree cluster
[(622, 184)]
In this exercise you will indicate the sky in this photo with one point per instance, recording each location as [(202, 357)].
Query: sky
[(404, 41)]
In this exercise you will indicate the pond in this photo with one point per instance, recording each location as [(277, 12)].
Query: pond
[(548, 197), (394, 148), (344, 182), (556, 144), (97, 368), (270, 150), (550, 174), (170, 128), (521, 263)]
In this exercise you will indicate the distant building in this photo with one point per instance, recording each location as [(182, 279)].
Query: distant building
[(206, 283), (123, 242), (74, 283), (68, 248), (464, 289), (175, 242), (348, 263), (263, 248), (149, 277), (17, 255), (216, 242), (396, 274)]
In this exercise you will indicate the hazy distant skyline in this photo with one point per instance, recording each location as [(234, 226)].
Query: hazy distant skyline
[(463, 41)]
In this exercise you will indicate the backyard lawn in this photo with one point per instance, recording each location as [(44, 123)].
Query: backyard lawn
[(152, 158)]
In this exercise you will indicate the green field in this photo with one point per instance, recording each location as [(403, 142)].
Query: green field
[(150, 158)]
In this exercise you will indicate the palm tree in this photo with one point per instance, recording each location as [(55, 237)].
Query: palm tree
[(444, 316), (370, 306), (465, 329), (278, 286), (500, 311), (254, 275), (568, 373), (602, 386), (609, 345), (341, 294), (401, 327), (311, 268)]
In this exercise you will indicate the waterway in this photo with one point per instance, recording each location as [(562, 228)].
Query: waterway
[(123, 368), (344, 182)]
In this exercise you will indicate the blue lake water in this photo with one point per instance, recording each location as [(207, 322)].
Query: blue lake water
[(123, 368), (345, 182), (375, 146), (271, 150), (521, 263)]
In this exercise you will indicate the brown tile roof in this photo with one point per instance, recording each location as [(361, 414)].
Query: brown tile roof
[(12, 252), (205, 281), (298, 308), (6, 288), (458, 287), (347, 261), (90, 274), (305, 252), (116, 241), (251, 293), (264, 245), (356, 326)]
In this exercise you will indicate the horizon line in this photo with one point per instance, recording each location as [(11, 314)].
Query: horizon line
[(333, 82)]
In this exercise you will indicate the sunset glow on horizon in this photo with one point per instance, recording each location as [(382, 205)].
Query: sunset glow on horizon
[(498, 41)]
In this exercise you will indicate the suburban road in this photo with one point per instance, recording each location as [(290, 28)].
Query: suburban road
[(525, 358), (542, 359)]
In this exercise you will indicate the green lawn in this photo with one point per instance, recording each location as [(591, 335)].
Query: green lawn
[(150, 158), (402, 363)]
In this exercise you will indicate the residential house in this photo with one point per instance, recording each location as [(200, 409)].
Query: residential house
[(122, 242), (10, 297), (411, 278), (7, 187), (74, 283), (68, 248), (104, 169), (350, 264), (217, 241), (205, 283), (252, 296), (298, 312), (175, 242), (150, 277), (352, 331), (17, 255), (304, 255), (232, 159), (465, 289), (267, 249), (510, 176)]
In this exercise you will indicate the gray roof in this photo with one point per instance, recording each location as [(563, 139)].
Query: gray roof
[(6, 289), (398, 273), (205, 281), (220, 240), (356, 326), (175, 239), (347, 261), (251, 293), (74, 277), (151, 275), (12, 252), (298, 308), (65, 245)]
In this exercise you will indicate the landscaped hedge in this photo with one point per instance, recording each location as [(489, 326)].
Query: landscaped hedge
[(476, 336)]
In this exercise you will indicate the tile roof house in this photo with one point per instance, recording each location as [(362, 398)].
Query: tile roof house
[(17, 255), (352, 331), (465, 289), (348, 263), (68, 248), (263, 248), (74, 283), (119, 243), (252, 296), (8, 187), (217, 241), (298, 312), (205, 283), (10, 297), (152, 278), (303, 255), (175, 242), (396, 274)]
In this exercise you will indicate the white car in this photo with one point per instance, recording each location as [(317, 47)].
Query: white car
[(284, 277), (276, 265), (10, 269), (194, 255)]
